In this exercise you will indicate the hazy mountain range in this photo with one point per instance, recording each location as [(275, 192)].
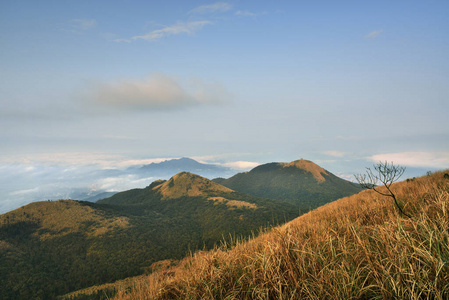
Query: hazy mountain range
[(21, 185), (184, 165)]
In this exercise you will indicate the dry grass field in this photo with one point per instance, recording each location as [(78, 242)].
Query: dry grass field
[(358, 247)]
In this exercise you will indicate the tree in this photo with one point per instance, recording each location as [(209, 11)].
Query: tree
[(385, 174)]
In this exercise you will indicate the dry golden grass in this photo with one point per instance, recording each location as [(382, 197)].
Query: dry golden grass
[(188, 184), (65, 216), (5, 245), (240, 204), (233, 203), (309, 167), (358, 247)]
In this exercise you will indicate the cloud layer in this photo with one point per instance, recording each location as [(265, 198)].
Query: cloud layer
[(184, 27), (242, 165), (188, 28), (438, 160), (374, 34), (157, 92)]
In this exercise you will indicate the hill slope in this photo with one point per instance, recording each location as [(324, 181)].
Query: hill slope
[(47, 248), (301, 182), (358, 247), (54, 247), (210, 207)]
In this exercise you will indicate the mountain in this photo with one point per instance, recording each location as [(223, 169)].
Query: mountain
[(301, 182), (208, 206), (53, 247), (173, 166), (358, 247)]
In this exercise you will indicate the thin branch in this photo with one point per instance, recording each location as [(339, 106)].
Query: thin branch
[(385, 174)]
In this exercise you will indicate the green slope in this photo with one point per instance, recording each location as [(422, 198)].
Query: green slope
[(300, 182), (205, 206), (54, 247)]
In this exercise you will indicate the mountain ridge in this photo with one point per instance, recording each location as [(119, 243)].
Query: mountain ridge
[(301, 182), (184, 164)]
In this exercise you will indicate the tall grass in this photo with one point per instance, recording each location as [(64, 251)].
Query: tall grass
[(358, 247)]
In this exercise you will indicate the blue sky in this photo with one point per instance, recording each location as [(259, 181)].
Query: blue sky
[(111, 83)]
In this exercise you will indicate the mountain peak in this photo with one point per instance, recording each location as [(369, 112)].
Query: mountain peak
[(189, 184), (173, 166), (308, 166)]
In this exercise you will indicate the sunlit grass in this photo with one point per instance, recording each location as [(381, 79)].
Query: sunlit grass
[(358, 247), (58, 218)]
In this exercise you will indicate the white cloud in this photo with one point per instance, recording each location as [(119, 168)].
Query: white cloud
[(345, 176), (181, 27), (236, 165), (242, 165), (83, 24), (121, 40), (29, 163), (61, 158), (226, 160), (157, 92), (188, 28), (24, 192), (122, 183), (374, 34), (439, 160), (211, 8)]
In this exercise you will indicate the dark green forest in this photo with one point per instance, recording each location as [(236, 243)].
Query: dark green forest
[(39, 262)]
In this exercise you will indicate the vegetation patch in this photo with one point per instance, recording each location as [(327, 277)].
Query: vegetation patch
[(232, 204)]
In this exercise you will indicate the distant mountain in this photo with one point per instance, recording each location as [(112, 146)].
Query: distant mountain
[(301, 182), (165, 169), (53, 247), (173, 166), (99, 196)]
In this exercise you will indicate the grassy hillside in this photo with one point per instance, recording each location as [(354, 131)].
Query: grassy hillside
[(51, 247), (54, 247), (300, 182), (358, 247)]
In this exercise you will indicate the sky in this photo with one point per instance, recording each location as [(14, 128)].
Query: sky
[(88, 85)]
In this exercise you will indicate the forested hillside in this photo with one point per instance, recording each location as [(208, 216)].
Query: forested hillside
[(54, 247), (301, 182), (358, 247)]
